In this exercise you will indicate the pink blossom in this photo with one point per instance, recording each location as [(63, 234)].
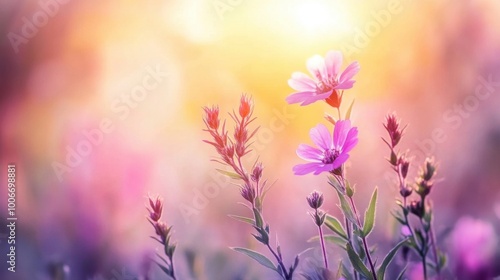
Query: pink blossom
[(326, 80), (474, 242), (332, 152)]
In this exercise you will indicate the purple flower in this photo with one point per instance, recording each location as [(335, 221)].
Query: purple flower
[(332, 152), (327, 82), (474, 243)]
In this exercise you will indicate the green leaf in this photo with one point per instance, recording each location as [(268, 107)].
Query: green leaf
[(349, 190), (388, 259), (370, 215), (164, 268), (242, 219), (357, 263), (334, 183), (229, 174), (346, 209), (330, 238), (334, 225), (259, 222), (348, 113), (263, 260), (401, 274)]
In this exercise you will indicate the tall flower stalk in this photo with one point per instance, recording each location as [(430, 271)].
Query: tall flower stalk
[(163, 236), (252, 187), (330, 156), (422, 238)]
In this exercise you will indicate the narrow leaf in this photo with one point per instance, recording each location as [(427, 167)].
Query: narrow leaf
[(348, 113), (346, 208), (388, 259), (357, 263), (263, 260), (370, 215), (229, 174), (330, 238), (333, 224), (242, 219), (402, 274)]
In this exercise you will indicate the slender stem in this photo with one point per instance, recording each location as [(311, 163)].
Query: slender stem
[(325, 258), (172, 268), (280, 262), (338, 110), (365, 244), (434, 250), (348, 228)]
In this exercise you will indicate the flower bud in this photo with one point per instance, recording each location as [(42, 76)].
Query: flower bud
[(417, 208), (315, 200), (245, 106), (162, 230), (392, 127), (156, 207), (404, 165), (405, 191), (429, 169), (423, 187), (248, 193), (257, 172), (211, 117)]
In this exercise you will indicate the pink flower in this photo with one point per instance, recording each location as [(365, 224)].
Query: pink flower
[(327, 80), (332, 152), (474, 243)]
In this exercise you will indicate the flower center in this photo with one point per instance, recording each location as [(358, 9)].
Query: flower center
[(327, 84), (330, 156)]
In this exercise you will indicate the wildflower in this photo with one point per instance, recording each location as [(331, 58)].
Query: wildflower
[(332, 152), (248, 193), (257, 172), (326, 81), (245, 106), (211, 117), (392, 127), (315, 200), (162, 230), (156, 207)]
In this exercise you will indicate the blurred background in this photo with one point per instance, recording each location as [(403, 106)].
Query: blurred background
[(101, 105)]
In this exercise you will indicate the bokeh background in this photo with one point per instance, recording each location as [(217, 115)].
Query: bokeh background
[(146, 68)]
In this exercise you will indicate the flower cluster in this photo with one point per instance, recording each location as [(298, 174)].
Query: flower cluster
[(422, 239), (252, 188), (163, 235)]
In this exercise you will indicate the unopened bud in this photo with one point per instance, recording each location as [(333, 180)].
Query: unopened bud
[(315, 200), (429, 169), (248, 193), (404, 165), (257, 172), (417, 208)]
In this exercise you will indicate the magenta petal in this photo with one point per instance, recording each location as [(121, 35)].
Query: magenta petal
[(316, 97), (351, 140), (349, 72), (299, 97), (345, 85), (321, 137), (333, 61), (309, 153), (340, 133), (323, 168), (303, 169), (316, 66), (341, 159), (301, 82)]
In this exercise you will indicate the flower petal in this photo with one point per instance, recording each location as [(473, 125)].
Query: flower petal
[(345, 85), (316, 66), (307, 152), (340, 133), (301, 82), (321, 137), (351, 140), (316, 97), (323, 168), (300, 97), (341, 159), (333, 61), (303, 169), (349, 72)]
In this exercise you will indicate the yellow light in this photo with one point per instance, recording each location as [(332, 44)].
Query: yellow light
[(321, 16)]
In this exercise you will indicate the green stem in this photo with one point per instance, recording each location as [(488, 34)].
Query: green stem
[(323, 248)]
